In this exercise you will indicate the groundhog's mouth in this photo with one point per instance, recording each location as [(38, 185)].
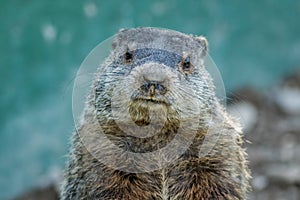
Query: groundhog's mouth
[(152, 100), (156, 99), (149, 101)]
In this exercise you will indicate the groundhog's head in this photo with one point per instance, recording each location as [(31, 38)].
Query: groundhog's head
[(154, 70)]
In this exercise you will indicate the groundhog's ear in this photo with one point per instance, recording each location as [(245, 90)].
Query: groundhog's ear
[(118, 38), (203, 43)]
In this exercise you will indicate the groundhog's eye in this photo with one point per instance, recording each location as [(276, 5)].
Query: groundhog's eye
[(186, 66), (128, 56)]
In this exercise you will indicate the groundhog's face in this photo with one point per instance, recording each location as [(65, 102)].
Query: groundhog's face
[(153, 70)]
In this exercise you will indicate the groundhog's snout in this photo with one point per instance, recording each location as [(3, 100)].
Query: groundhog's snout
[(153, 87), (152, 80)]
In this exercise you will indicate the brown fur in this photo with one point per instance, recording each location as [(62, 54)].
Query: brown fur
[(221, 174)]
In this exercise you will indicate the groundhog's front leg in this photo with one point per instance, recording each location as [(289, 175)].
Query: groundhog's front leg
[(192, 180), (120, 185), (99, 182)]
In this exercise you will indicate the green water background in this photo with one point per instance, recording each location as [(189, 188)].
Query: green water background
[(42, 44)]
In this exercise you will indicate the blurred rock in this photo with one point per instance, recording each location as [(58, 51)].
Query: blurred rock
[(289, 124), (288, 99), (260, 182), (285, 174)]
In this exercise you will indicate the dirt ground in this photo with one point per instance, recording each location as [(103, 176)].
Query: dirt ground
[(272, 127)]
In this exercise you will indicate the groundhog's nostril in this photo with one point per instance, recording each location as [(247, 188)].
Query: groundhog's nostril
[(153, 87)]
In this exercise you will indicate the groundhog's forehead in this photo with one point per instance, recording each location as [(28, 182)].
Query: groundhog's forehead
[(157, 38)]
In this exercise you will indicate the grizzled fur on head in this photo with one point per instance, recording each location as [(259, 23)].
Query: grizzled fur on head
[(169, 40), (157, 55)]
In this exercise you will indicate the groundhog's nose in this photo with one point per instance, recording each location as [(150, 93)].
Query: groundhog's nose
[(153, 87)]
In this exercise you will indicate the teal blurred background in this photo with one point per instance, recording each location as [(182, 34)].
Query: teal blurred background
[(42, 44)]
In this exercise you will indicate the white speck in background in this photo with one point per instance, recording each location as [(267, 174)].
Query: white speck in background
[(90, 10), (246, 113), (49, 32)]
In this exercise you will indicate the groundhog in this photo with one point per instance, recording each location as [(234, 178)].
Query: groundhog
[(153, 127)]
